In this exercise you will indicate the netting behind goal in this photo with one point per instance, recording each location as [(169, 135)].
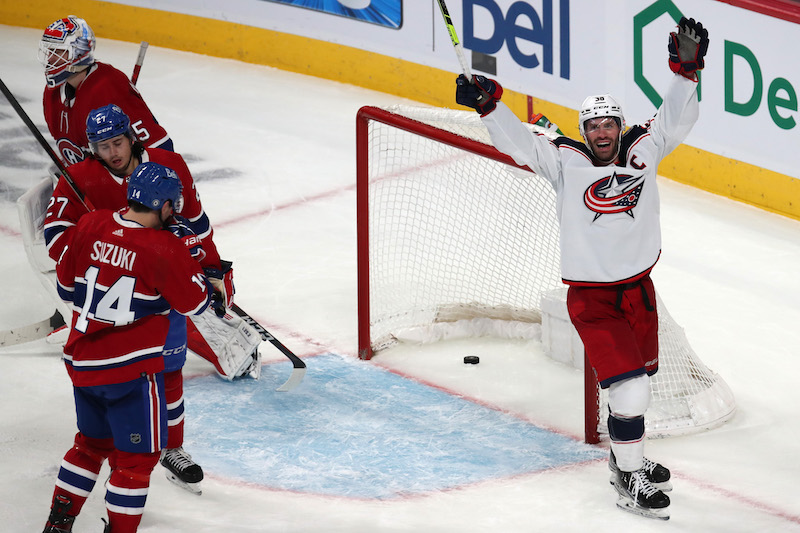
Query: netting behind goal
[(454, 236), (445, 229)]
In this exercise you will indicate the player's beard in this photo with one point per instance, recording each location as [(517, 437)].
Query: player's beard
[(611, 153)]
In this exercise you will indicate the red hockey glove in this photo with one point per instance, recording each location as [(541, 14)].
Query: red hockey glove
[(687, 48), (481, 95), (222, 280)]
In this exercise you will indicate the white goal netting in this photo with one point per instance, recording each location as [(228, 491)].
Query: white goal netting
[(453, 236), (444, 249)]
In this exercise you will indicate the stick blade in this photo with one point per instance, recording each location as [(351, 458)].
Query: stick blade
[(24, 334), (298, 373)]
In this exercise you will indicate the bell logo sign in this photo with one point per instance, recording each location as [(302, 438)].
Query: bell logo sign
[(780, 93), (741, 70), (520, 24)]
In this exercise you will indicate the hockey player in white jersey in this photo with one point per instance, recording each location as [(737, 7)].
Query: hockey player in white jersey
[(608, 212)]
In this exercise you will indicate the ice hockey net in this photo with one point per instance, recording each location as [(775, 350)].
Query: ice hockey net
[(453, 235)]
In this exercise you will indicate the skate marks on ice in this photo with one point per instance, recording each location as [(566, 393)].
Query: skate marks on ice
[(203, 170), (24, 162), (356, 430)]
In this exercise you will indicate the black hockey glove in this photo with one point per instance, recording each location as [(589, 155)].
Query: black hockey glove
[(222, 280), (481, 95), (217, 304), (687, 48)]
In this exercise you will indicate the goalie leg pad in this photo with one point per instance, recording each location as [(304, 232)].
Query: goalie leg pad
[(233, 341)]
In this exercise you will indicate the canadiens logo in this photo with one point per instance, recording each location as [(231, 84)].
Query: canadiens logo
[(58, 31), (69, 152), (618, 193)]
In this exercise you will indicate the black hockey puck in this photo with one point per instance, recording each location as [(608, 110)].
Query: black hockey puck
[(471, 360)]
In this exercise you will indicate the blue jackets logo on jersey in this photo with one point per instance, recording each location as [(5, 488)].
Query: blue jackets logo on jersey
[(618, 193)]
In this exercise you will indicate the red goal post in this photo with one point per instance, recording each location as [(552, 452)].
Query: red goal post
[(455, 239), (366, 117)]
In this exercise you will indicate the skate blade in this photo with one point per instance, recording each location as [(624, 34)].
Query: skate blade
[(194, 488), (663, 487), (626, 504)]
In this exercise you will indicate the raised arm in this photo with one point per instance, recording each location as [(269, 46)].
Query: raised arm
[(508, 133), (678, 113)]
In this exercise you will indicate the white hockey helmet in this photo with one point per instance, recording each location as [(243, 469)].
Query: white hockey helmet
[(66, 47), (601, 105)]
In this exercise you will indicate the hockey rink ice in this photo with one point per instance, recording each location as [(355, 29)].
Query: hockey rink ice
[(414, 440)]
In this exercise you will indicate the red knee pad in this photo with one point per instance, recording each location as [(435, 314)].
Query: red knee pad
[(95, 450), (126, 491), (135, 467), (173, 386)]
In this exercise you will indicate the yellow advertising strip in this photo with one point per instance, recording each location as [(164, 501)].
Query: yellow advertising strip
[(727, 177)]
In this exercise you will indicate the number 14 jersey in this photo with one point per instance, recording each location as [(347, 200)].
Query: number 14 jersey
[(122, 279)]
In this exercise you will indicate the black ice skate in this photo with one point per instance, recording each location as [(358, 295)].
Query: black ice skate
[(657, 474), (181, 470), (59, 521), (638, 496)]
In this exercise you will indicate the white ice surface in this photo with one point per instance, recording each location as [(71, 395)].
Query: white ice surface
[(273, 153)]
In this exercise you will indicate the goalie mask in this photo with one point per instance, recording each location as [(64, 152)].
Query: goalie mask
[(600, 106), (66, 47), (106, 123), (152, 185)]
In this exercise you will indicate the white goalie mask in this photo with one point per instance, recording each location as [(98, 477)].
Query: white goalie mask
[(66, 47)]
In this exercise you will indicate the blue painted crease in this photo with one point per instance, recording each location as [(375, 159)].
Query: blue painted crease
[(353, 429)]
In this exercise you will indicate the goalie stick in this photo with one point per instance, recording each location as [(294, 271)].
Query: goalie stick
[(45, 327), (28, 333), (299, 366), (139, 61), (299, 370)]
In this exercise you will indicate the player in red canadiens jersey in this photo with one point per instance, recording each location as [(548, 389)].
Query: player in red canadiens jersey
[(223, 341), (608, 211), (122, 274), (76, 84)]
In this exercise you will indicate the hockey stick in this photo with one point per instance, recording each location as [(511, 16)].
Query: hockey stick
[(139, 61), (299, 370), (31, 332), (454, 38), (35, 131)]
